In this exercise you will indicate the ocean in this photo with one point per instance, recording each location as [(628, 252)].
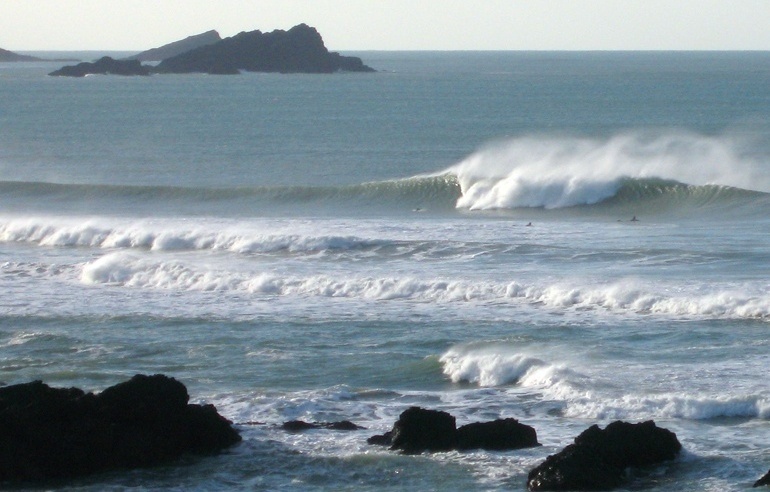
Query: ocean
[(453, 232)]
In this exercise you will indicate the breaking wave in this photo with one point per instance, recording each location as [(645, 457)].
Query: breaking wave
[(125, 269), (552, 173), (676, 170), (491, 364)]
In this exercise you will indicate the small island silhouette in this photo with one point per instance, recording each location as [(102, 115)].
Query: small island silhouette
[(298, 50)]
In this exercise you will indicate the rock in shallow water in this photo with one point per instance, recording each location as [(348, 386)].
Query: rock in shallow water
[(57, 433), (300, 425), (598, 458), (419, 430)]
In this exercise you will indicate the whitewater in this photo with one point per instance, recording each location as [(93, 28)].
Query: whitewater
[(566, 239)]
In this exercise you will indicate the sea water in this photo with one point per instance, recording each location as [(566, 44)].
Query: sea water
[(453, 232)]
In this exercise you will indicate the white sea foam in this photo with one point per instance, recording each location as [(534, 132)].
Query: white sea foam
[(583, 396), (166, 237), (691, 407), (627, 296), (493, 365), (555, 172), (488, 367), (622, 297)]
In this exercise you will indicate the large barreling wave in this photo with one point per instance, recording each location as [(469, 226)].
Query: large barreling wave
[(646, 172), (675, 169)]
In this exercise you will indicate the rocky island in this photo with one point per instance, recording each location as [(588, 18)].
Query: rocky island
[(103, 66), (177, 47), (298, 50)]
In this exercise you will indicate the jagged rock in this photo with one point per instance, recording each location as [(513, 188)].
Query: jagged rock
[(498, 435), (103, 66), (298, 50), (177, 47), (61, 433), (765, 480), (598, 458), (299, 425), (419, 430)]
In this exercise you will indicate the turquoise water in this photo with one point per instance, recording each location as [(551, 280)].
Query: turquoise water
[(346, 246)]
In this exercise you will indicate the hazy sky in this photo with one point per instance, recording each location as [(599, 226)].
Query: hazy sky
[(396, 24)]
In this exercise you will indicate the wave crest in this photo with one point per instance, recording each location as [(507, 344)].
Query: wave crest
[(558, 172)]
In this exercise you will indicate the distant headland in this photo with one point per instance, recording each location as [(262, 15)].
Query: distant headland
[(10, 56), (298, 50)]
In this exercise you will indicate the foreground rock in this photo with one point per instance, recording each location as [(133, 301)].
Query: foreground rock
[(598, 458), (57, 433), (765, 480), (103, 66), (298, 50), (177, 47), (419, 430)]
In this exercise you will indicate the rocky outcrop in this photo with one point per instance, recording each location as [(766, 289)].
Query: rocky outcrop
[(765, 480), (56, 433), (177, 47), (298, 50), (103, 66), (418, 430), (497, 435), (598, 458)]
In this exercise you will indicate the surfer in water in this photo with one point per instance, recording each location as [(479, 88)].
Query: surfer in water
[(634, 219)]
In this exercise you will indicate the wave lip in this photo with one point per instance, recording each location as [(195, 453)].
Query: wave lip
[(558, 172), (497, 365)]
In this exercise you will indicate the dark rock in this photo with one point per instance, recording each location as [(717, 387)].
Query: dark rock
[(419, 430), (56, 433), (298, 50), (498, 435), (177, 47), (765, 480), (598, 458), (103, 66), (381, 439), (343, 425), (299, 425)]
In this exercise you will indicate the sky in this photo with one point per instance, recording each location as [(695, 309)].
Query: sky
[(351, 25)]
